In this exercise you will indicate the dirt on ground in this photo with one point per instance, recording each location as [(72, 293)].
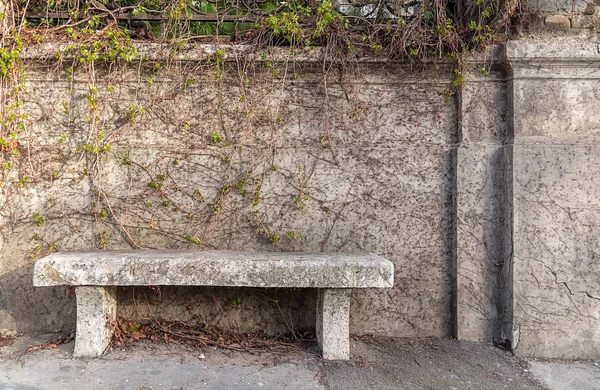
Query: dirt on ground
[(376, 363), (388, 363)]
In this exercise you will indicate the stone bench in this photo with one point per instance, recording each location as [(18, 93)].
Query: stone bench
[(95, 276)]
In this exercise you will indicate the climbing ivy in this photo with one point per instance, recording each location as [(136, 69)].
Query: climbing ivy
[(165, 124), (100, 44)]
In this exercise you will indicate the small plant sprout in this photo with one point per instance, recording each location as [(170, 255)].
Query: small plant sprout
[(195, 240), (38, 219), (294, 236)]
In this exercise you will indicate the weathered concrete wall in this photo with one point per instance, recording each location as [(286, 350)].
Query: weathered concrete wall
[(484, 217), (556, 190), (546, 19), (362, 165), (554, 6), (527, 212), (488, 205), (527, 204)]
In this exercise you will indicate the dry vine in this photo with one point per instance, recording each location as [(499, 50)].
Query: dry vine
[(157, 142)]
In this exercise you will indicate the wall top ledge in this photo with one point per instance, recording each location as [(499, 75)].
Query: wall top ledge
[(524, 52), (556, 51), (153, 51)]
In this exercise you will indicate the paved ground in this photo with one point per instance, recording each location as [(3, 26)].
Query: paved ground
[(377, 363), (567, 376)]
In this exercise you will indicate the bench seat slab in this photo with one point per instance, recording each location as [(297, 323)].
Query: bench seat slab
[(333, 323), (213, 268), (96, 311)]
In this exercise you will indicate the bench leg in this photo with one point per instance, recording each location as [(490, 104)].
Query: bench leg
[(333, 323), (95, 307)]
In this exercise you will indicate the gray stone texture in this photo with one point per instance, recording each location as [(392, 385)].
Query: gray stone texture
[(556, 5), (559, 22), (96, 314), (333, 320), (557, 226), (527, 226), (565, 375), (589, 22), (486, 206), (555, 192), (214, 268), (373, 157), (483, 208), (377, 363)]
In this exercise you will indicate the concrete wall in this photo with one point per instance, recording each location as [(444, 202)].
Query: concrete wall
[(527, 204), (487, 204), (362, 165), (557, 18), (484, 214), (557, 5), (556, 190)]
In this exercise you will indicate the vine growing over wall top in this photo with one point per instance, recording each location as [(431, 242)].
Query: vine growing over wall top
[(410, 29), (96, 38), (106, 143)]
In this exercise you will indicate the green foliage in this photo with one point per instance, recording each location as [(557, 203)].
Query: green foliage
[(10, 58), (295, 236), (92, 148), (287, 25), (216, 137), (12, 118), (112, 45), (195, 240), (273, 237), (394, 28), (156, 185), (38, 219), (134, 112), (327, 15)]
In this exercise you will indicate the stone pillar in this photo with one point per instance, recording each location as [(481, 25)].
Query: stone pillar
[(333, 323), (528, 202), (556, 195), (483, 214), (96, 307)]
